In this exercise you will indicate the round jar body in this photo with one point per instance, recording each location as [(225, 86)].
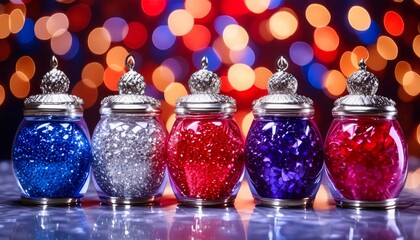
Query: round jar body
[(129, 158), (284, 160), (205, 159), (51, 159), (366, 161)]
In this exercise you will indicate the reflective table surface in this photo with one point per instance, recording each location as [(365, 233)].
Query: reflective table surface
[(92, 220)]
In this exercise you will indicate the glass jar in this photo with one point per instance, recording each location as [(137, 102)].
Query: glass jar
[(51, 152), (205, 148), (129, 145), (366, 152), (283, 154)]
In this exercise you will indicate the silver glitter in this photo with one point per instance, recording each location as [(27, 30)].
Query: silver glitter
[(129, 161)]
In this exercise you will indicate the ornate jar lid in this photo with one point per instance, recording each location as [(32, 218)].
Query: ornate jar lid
[(54, 99), (131, 98), (205, 94), (362, 99), (282, 98)]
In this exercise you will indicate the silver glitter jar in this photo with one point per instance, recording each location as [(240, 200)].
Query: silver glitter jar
[(51, 153), (129, 145)]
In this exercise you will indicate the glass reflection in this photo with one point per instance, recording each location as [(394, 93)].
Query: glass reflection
[(51, 223), (276, 223), (126, 222), (206, 223)]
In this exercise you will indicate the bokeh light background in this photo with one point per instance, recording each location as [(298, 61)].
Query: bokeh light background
[(322, 40)]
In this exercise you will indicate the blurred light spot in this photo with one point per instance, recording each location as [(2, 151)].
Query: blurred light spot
[(317, 15), (99, 40), (324, 56), (246, 123), (41, 31), (57, 24), (411, 83), (170, 122), (74, 48), (221, 22), (178, 65), (79, 17), (17, 19), (326, 38), (234, 7), (262, 75), (19, 85), (65, 1), (258, 6), (315, 74), (359, 18), (162, 38), (26, 65), (153, 7), (222, 50), (26, 34), (198, 8), (4, 23), (61, 43), (274, 4), (413, 179), (401, 68), (417, 1), (403, 96), (283, 24), (174, 91), (162, 76), (245, 56), (117, 28), (393, 23), (198, 38), (241, 77), (301, 53), (375, 61), (111, 78), (2, 95), (358, 53), (226, 87), (418, 140), (92, 74), (346, 66), (214, 60), (370, 35), (115, 58), (136, 35), (387, 48), (180, 22), (334, 83), (88, 93), (235, 37), (5, 50), (264, 31), (416, 45)]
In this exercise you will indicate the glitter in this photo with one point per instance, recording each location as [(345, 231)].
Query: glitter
[(129, 156), (366, 158), (52, 157), (205, 157), (284, 157)]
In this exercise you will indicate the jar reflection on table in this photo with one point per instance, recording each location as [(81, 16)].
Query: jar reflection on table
[(52, 223), (207, 223), (126, 222)]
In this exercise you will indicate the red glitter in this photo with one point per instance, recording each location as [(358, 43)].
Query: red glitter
[(205, 157), (366, 158)]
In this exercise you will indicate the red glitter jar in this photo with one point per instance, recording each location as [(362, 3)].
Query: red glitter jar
[(205, 155), (365, 148)]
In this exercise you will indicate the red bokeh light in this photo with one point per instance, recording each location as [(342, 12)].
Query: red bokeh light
[(394, 24), (79, 17), (136, 36), (153, 7), (198, 38)]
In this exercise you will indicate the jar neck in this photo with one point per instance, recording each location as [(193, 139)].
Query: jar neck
[(281, 117), (354, 118), (138, 115), (53, 118), (218, 115)]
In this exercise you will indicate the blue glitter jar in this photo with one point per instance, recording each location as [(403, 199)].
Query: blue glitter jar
[(51, 152), (283, 154)]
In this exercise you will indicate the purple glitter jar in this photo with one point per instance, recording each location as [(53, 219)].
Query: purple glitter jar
[(284, 155)]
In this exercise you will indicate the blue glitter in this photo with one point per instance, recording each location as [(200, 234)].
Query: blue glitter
[(52, 158), (284, 158)]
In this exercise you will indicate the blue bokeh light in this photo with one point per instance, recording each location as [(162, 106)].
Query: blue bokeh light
[(162, 38), (301, 53)]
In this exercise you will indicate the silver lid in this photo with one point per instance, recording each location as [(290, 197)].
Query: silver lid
[(205, 94), (54, 99), (282, 98), (131, 98), (362, 99)]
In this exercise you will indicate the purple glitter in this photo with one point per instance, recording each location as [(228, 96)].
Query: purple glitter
[(284, 157)]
